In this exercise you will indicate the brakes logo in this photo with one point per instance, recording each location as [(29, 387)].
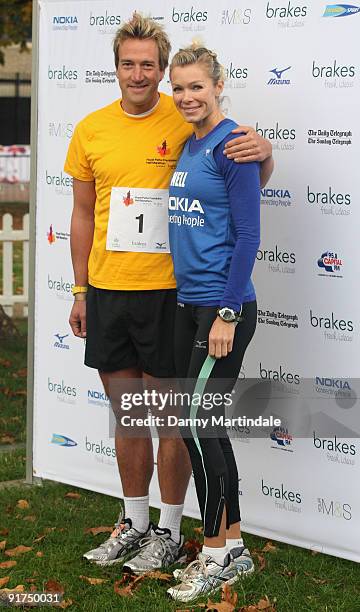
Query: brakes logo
[(331, 263), (285, 12), (276, 132), (276, 256), (61, 440), (191, 16), (278, 79), (334, 70), (333, 445), (330, 322), (279, 375), (62, 74), (280, 493), (104, 20), (340, 10)]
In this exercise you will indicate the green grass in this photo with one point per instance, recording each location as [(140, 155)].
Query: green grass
[(294, 579)]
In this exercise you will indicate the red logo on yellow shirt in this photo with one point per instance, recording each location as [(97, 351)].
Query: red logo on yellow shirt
[(128, 199), (51, 235), (163, 149)]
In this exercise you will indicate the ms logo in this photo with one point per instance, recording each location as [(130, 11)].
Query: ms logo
[(278, 73)]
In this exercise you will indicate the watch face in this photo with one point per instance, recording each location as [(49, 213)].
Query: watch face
[(227, 314)]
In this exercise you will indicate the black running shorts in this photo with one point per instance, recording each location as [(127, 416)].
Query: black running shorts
[(126, 329)]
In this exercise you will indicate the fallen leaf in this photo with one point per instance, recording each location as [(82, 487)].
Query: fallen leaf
[(227, 594), (72, 495), (4, 532), (33, 588), (31, 580), (52, 586), (5, 363), (47, 530), (65, 604), (3, 545), (4, 581), (316, 580), (7, 564), (20, 373), (93, 580), (95, 530), (192, 547), (158, 576), (20, 588), (30, 517), (39, 554), (198, 529), (23, 504), (132, 582), (265, 604), (7, 439), (269, 547), (314, 552), (261, 560), (19, 550), (288, 573)]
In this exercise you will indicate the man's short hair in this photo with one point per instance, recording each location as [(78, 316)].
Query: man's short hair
[(143, 28)]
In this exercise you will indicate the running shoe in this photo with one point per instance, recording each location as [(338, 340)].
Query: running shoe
[(157, 550), (241, 557), (123, 543), (202, 577)]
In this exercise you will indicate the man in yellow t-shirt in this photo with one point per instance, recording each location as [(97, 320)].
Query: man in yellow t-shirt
[(125, 294)]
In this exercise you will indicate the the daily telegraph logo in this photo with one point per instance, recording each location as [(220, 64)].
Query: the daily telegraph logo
[(62, 390), (334, 75), (105, 23), (63, 76), (60, 287), (278, 77), (330, 264), (61, 183), (282, 439), (271, 196), (235, 16), (280, 374), (329, 200), (100, 77), (288, 15), (330, 137), (97, 397), (61, 440), (341, 10), (333, 387), (236, 76), (60, 342), (278, 260), (58, 129), (282, 138), (336, 450), (65, 22), (278, 319), (283, 497), (191, 20), (332, 326), (334, 508)]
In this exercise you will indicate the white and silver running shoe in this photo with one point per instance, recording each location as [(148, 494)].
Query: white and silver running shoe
[(203, 576), (157, 550), (241, 557), (123, 543)]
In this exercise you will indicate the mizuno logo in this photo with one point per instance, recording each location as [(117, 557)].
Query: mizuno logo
[(160, 244), (61, 338), (201, 344), (278, 73)]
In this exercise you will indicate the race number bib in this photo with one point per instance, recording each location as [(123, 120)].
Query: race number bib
[(138, 220)]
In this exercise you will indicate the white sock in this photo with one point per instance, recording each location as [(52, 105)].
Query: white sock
[(218, 554), (170, 518), (234, 543), (137, 509)]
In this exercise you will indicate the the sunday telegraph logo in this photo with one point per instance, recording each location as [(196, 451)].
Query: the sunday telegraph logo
[(278, 318)]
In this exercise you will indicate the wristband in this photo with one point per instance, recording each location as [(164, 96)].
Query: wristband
[(78, 289)]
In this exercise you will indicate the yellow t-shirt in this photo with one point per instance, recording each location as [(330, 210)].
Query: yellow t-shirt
[(117, 150)]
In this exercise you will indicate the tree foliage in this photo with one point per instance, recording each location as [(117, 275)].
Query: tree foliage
[(15, 24)]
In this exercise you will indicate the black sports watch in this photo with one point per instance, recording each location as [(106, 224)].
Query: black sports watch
[(228, 314)]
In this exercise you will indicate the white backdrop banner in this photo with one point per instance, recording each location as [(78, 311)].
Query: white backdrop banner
[(293, 73)]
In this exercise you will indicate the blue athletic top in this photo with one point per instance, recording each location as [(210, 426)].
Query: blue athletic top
[(214, 222)]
